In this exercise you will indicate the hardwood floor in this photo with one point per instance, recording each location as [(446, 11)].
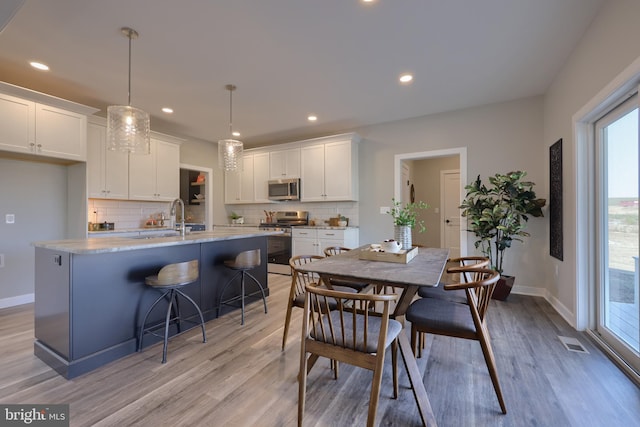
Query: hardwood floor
[(240, 377)]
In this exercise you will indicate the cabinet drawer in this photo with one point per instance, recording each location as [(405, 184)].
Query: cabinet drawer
[(304, 232), (331, 234)]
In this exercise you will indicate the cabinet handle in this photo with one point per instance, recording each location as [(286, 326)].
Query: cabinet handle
[(39, 148)]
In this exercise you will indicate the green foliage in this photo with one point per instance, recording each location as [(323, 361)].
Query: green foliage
[(407, 214), (235, 215), (497, 214)]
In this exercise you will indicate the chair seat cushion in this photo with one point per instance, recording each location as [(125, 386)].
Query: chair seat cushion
[(353, 285), (298, 301), (457, 295), (373, 331), (441, 315)]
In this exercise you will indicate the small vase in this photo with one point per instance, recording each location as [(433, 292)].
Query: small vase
[(402, 233)]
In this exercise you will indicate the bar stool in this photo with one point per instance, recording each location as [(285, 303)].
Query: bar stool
[(169, 280), (242, 263)]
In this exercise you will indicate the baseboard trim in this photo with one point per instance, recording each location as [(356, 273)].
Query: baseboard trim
[(17, 300)]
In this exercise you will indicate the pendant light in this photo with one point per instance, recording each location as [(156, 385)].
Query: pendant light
[(128, 127), (230, 150)]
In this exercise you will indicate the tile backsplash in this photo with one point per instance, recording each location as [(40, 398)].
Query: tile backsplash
[(320, 211), (126, 214)]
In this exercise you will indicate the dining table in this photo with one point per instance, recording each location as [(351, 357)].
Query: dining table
[(425, 269)]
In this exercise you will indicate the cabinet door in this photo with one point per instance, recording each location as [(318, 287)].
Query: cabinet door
[(142, 175), (261, 177), (284, 163), (302, 246), (60, 133), (232, 187), (247, 186), (167, 158), (107, 170), (312, 173), (17, 124), (337, 171)]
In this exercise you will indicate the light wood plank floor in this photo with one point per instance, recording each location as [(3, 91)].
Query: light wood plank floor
[(241, 378)]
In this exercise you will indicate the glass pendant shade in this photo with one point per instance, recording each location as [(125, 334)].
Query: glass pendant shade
[(230, 154), (128, 129)]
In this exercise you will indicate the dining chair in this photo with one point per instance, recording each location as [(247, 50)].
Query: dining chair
[(358, 286), (299, 280), (458, 295), (468, 321), (347, 334)]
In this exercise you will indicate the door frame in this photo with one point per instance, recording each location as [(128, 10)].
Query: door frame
[(442, 203), (208, 197), (461, 152)]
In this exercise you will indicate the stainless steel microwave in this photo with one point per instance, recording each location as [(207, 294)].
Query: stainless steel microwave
[(284, 189)]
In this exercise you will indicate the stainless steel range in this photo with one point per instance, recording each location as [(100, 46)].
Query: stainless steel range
[(279, 246)]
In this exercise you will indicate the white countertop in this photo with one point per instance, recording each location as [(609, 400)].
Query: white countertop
[(117, 244)]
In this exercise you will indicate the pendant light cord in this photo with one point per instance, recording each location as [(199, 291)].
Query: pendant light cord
[(129, 90), (230, 88)]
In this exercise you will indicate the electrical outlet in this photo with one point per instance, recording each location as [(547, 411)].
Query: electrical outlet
[(10, 218), (385, 209), (1, 260)]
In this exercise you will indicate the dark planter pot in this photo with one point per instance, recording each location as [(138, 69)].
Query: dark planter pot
[(503, 288)]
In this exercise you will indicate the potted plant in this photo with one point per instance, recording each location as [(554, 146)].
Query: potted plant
[(497, 215), (236, 218), (405, 218)]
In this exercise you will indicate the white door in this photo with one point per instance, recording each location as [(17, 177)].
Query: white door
[(617, 290), (450, 213), (406, 183)]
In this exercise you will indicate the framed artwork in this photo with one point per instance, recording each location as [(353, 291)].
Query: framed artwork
[(555, 200)]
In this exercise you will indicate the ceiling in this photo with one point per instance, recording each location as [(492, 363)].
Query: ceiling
[(338, 59)]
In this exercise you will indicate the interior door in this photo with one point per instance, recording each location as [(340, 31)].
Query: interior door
[(618, 309), (450, 213)]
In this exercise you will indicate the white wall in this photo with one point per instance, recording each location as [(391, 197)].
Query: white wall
[(499, 138), (36, 193), (608, 47)]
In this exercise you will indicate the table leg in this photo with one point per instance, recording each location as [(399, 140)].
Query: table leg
[(419, 392)]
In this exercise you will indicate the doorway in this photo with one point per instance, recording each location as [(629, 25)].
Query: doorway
[(201, 206), (418, 175)]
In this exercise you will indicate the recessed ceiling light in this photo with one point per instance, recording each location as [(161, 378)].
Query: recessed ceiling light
[(39, 66), (368, 1), (406, 78), (235, 133), (312, 118), (167, 110)]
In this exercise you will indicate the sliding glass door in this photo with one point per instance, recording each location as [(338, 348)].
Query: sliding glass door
[(617, 292)]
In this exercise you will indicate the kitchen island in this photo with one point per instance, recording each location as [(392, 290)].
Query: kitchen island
[(90, 294)]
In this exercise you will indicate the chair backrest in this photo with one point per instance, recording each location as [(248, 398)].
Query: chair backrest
[(466, 263), (178, 274), (247, 259), (478, 291), (335, 250), (344, 325), (301, 279)]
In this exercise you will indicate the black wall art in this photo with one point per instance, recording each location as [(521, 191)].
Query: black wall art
[(555, 200)]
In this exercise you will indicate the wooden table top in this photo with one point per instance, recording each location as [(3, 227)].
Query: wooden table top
[(423, 270)]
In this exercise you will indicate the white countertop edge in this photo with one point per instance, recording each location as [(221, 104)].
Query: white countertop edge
[(99, 245)]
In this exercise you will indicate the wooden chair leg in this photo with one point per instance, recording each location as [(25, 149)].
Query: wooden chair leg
[(489, 358), (414, 333), (287, 320), (394, 363), (375, 391), (302, 384)]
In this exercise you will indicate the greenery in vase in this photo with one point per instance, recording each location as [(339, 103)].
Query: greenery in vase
[(498, 214), (407, 214), (235, 215)]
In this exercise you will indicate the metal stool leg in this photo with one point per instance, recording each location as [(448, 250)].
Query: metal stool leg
[(242, 297), (144, 320), (166, 325), (264, 296), (188, 298), (223, 291)]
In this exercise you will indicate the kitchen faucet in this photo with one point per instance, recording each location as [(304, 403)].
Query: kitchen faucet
[(173, 212)]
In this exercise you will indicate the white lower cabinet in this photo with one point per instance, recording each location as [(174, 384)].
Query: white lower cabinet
[(313, 241)]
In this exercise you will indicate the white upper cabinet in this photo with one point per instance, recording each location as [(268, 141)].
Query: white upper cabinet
[(261, 177), (17, 132), (284, 163), (156, 176), (60, 133), (239, 185), (329, 170), (107, 170), (35, 128)]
